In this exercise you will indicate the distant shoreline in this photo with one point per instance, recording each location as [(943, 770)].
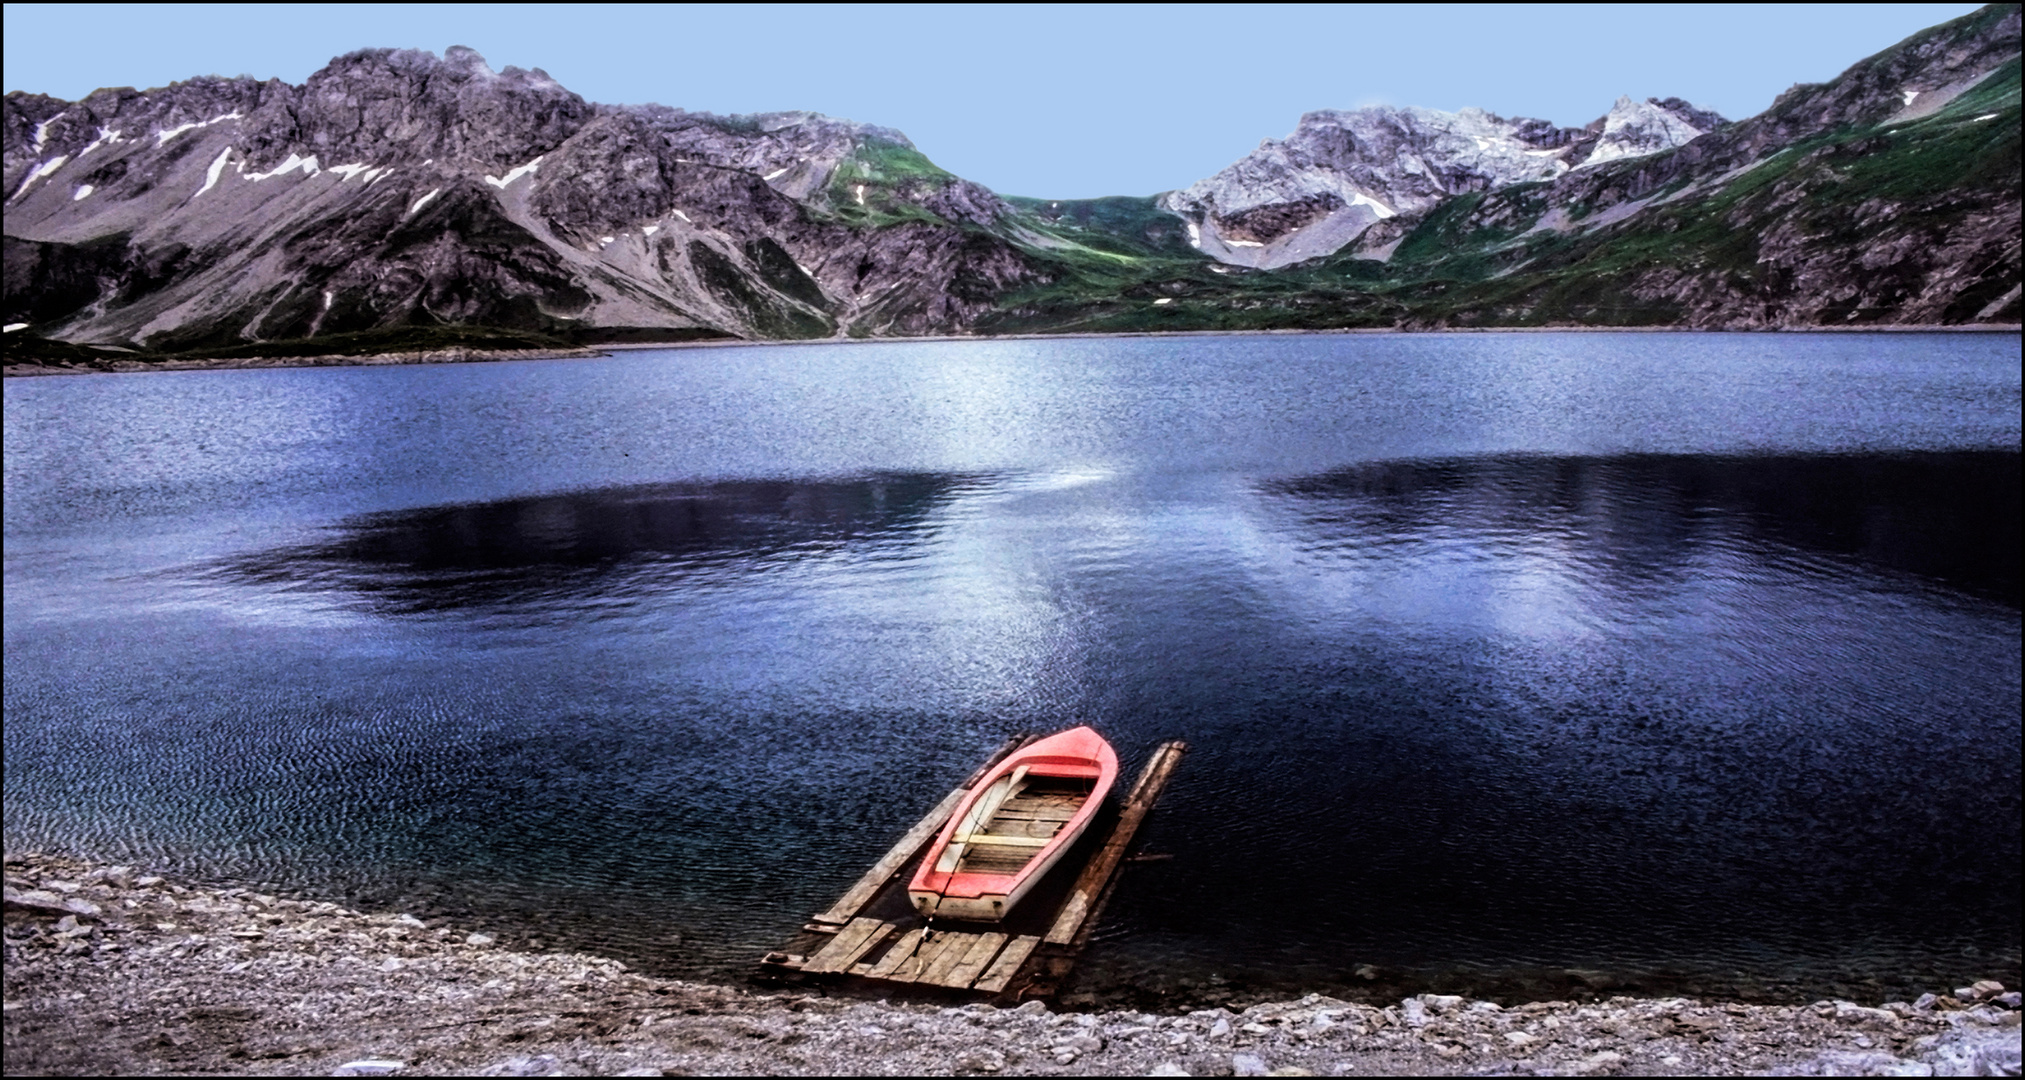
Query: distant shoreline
[(111, 366)]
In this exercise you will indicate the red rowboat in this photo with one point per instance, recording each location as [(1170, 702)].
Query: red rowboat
[(1018, 822)]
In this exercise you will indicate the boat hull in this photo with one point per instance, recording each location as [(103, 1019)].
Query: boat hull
[(1018, 823)]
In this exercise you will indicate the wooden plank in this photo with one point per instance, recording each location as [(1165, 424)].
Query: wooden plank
[(1078, 914), (850, 943), (901, 952), (974, 961), (910, 845), (938, 970), (1007, 965), (929, 951)]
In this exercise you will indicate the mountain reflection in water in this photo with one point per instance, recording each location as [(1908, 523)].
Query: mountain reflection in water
[(598, 550), (1951, 518)]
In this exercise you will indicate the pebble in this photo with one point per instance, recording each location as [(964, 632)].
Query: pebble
[(986, 1060), (1248, 1065), (479, 939)]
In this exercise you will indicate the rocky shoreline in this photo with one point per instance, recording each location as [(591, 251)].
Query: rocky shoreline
[(14, 369), (111, 970)]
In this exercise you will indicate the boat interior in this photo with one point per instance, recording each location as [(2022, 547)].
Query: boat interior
[(1015, 819)]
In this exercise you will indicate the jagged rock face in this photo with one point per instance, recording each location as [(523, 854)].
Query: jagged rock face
[(1636, 128), (386, 104), (396, 188), (1340, 173)]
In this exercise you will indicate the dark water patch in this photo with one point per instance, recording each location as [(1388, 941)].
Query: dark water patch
[(1950, 518), (589, 550)]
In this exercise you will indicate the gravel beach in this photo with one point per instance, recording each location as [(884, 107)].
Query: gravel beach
[(112, 970)]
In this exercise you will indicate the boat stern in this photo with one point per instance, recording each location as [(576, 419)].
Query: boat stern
[(987, 907)]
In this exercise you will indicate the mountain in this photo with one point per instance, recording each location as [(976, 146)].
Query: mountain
[(396, 196), (1340, 173), (394, 188), (1889, 195)]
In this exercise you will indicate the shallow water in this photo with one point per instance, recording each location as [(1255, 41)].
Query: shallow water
[(1686, 662)]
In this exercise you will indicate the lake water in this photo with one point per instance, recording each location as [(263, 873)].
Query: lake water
[(1514, 663)]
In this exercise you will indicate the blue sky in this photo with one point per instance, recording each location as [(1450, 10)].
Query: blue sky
[(1068, 102)]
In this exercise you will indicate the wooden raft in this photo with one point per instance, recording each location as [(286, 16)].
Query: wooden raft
[(867, 935)]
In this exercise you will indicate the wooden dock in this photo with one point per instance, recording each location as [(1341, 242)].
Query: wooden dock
[(872, 933)]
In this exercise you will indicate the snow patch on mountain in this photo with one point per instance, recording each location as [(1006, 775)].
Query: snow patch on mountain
[(163, 136), (307, 165), (217, 169), (37, 173), (514, 173), (105, 137)]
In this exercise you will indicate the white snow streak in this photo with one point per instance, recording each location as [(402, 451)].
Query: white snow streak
[(105, 136), (1909, 95), (514, 173), (13, 326), (1228, 242), (162, 137), (349, 171), (1985, 116), (42, 138), (773, 174), (1163, 300), (681, 215), (1379, 208), (650, 230), (81, 193), (328, 296), (860, 191), (1194, 234), (424, 200), (38, 173), (604, 239), (295, 161), (217, 168)]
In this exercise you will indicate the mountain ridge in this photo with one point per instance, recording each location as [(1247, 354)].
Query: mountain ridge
[(395, 190)]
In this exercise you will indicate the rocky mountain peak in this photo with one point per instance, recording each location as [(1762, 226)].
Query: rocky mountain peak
[(464, 59), (379, 106), (1342, 171), (1635, 128)]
